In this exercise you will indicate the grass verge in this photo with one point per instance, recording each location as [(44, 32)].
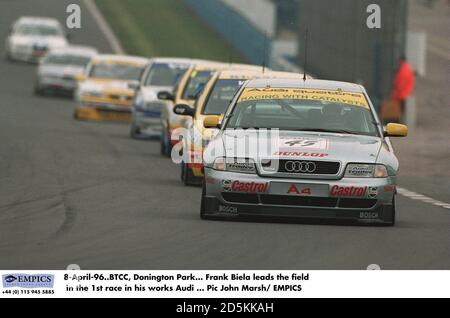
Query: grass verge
[(164, 28)]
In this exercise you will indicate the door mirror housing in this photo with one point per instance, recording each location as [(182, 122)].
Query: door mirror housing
[(184, 110), (396, 130), (166, 96), (211, 122), (134, 85)]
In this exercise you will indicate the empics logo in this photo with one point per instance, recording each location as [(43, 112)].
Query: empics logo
[(28, 280)]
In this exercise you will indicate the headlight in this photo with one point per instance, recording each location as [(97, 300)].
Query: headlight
[(360, 170), (240, 165), (91, 93)]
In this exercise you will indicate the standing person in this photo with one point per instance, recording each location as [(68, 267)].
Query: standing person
[(403, 84)]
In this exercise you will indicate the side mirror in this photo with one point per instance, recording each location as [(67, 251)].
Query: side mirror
[(396, 130), (211, 122), (166, 96), (134, 85), (80, 77), (184, 110)]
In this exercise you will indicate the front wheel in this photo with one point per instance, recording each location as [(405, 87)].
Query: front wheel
[(135, 131), (391, 220), (202, 203)]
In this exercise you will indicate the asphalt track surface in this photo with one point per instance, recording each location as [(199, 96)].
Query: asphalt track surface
[(85, 193)]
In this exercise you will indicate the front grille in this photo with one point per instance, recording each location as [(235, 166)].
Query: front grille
[(250, 198), (120, 97), (357, 203), (308, 167), (298, 200), (302, 201)]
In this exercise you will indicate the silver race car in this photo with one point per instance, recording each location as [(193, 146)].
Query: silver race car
[(309, 149), (58, 70), (161, 74), (30, 38)]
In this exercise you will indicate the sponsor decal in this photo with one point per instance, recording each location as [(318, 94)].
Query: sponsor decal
[(244, 186), (228, 209), (372, 192), (348, 191), (368, 215), (299, 154), (226, 185), (328, 95), (304, 142), (294, 190), (28, 280)]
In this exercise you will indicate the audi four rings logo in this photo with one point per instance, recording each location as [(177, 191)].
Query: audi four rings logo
[(300, 166)]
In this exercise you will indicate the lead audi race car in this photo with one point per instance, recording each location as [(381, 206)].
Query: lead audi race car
[(31, 37), (309, 149)]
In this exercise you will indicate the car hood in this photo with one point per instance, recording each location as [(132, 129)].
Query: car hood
[(60, 70), (301, 145), (106, 86)]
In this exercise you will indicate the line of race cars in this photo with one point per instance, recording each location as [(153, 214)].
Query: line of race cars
[(259, 142)]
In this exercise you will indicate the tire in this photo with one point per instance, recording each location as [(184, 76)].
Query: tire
[(391, 222), (135, 131), (162, 144), (37, 91), (166, 148), (202, 202), (187, 176)]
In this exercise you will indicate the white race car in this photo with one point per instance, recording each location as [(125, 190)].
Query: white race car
[(31, 37), (58, 70)]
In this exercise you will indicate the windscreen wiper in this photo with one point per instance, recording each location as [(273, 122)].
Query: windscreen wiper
[(338, 131)]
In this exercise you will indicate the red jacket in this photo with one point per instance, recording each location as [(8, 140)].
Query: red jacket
[(403, 84)]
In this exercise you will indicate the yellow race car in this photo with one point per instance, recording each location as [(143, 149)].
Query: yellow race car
[(212, 104), (105, 91), (186, 91)]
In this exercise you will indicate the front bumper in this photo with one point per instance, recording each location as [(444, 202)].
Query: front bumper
[(26, 54), (58, 84), (102, 114), (287, 198), (149, 122)]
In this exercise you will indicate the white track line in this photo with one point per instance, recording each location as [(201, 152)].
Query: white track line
[(420, 197), (104, 27)]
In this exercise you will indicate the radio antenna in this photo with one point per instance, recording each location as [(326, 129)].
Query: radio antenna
[(306, 55), (264, 52)]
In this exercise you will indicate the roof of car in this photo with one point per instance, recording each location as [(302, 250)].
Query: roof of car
[(121, 59), (38, 20), (217, 66), (255, 73), (180, 60), (75, 49), (309, 83)]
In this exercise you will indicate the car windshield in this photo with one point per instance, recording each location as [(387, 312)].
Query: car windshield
[(221, 96), (303, 110), (164, 74), (195, 84), (67, 59), (36, 29), (120, 71)]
